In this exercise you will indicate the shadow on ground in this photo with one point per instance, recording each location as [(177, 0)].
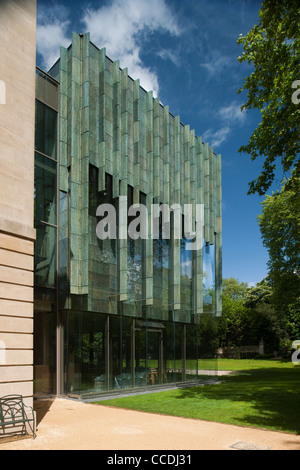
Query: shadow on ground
[(42, 407)]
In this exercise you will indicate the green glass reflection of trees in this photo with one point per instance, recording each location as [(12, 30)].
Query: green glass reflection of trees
[(45, 130), (45, 189), (209, 296)]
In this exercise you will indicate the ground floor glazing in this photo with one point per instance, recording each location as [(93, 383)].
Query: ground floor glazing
[(100, 353)]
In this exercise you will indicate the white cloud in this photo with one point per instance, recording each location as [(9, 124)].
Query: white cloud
[(229, 116), (51, 33), (216, 63), (167, 54), (252, 283), (232, 113), (216, 138), (122, 26), (136, 69)]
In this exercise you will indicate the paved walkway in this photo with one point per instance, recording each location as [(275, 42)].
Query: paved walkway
[(64, 424)]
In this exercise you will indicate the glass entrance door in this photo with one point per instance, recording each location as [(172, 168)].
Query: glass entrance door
[(148, 357)]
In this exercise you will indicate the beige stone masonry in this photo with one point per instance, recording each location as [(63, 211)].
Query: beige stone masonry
[(15, 308), (16, 276), (18, 342), (16, 260), (18, 388), (16, 244), (23, 325), (17, 233)]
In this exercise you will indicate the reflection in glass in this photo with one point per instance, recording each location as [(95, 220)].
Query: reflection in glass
[(209, 277), (45, 251), (161, 272), (173, 352), (135, 264), (45, 255), (186, 267), (191, 370), (140, 356), (85, 346), (121, 353), (117, 353), (44, 341), (45, 189), (63, 240), (45, 130), (103, 254)]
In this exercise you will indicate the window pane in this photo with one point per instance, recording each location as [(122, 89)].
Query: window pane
[(186, 276), (46, 130), (45, 189), (44, 341), (45, 255), (209, 277)]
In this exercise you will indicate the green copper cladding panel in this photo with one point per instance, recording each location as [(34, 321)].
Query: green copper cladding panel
[(116, 139)]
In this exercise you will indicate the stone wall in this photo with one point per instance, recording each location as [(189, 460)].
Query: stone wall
[(17, 117)]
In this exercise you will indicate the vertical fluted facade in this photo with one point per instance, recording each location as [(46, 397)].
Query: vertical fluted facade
[(108, 122)]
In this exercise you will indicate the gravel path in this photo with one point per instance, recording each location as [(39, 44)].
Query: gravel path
[(64, 424)]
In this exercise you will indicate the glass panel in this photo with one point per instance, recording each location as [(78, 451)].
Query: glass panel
[(45, 255), (169, 364), (103, 254), (209, 277), (44, 341), (72, 354), (122, 345), (47, 90), (179, 352), (141, 372), (115, 359), (45, 130), (161, 271), (135, 264), (85, 352), (45, 189), (191, 371), (93, 353), (186, 286), (63, 240), (174, 349), (154, 357), (134, 272)]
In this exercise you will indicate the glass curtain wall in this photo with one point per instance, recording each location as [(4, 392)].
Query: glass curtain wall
[(46, 222), (136, 314), (130, 345)]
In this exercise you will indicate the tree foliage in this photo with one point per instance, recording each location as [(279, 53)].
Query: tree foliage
[(234, 323), (260, 294), (273, 48), (249, 315), (279, 224), (234, 289)]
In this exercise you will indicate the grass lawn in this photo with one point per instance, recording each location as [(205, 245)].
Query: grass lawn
[(265, 394)]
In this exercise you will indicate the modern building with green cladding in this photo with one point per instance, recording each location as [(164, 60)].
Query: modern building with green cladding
[(123, 312)]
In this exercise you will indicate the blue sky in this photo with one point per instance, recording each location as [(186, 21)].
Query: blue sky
[(186, 52)]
